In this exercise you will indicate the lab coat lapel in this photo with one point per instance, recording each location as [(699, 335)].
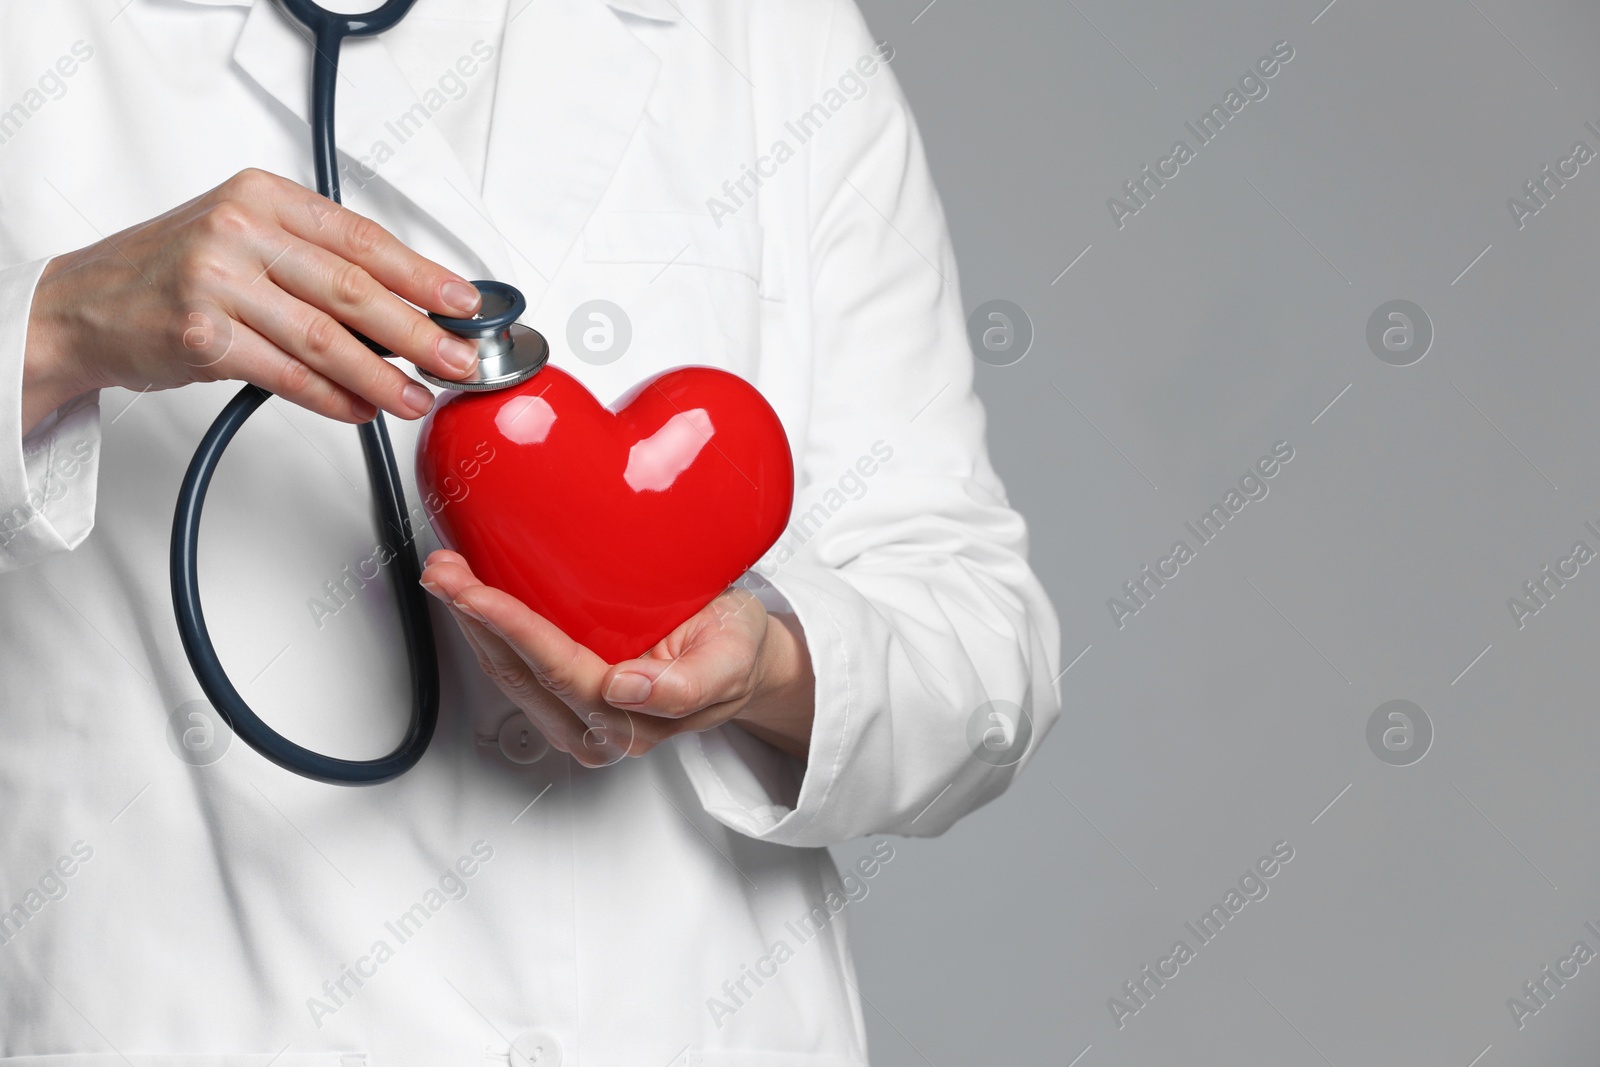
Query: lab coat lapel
[(573, 85), (372, 99)]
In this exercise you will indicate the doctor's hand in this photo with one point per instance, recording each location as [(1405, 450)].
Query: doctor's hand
[(250, 281), (731, 662)]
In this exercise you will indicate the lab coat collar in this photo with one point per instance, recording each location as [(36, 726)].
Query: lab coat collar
[(572, 84), (655, 10)]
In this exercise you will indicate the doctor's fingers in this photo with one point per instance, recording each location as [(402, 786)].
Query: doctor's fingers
[(549, 714), (705, 679), (313, 337), (502, 625), (249, 357), (634, 734), (356, 238), (564, 667), (593, 737), (713, 665), (355, 298)]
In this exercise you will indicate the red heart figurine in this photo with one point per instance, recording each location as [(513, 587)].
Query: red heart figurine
[(615, 524)]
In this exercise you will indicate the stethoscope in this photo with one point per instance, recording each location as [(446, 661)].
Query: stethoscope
[(508, 354)]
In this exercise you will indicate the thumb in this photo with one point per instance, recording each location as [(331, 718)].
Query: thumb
[(704, 674)]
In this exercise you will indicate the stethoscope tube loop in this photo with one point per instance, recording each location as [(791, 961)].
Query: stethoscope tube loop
[(329, 29), (202, 654)]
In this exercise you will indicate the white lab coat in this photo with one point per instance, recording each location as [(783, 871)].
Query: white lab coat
[(478, 910)]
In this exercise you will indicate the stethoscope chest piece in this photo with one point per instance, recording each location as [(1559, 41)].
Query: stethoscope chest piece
[(509, 353)]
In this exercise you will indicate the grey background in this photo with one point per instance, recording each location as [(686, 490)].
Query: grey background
[(1228, 714)]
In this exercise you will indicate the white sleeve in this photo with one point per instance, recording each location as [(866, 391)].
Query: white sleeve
[(47, 479), (904, 562)]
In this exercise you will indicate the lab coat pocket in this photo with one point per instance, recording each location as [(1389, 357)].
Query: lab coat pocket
[(189, 1059), (690, 284)]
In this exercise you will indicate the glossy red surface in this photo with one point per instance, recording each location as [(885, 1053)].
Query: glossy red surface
[(615, 524)]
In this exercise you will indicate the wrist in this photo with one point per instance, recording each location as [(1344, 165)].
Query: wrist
[(51, 375), (781, 709)]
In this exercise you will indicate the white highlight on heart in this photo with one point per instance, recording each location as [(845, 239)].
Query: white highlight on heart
[(655, 462), (525, 420)]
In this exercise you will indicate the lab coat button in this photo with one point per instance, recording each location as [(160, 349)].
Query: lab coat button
[(521, 742), (536, 1048)]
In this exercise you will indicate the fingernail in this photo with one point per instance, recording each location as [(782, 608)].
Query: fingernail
[(628, 689), (364, 411), (460, 297), (468, 610), (433, 588), (417, 398), (459, 355)]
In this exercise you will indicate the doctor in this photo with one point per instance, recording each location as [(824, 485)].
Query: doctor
[(595, 864)]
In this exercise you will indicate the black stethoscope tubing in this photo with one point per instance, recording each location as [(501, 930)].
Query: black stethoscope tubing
[(329, 30)]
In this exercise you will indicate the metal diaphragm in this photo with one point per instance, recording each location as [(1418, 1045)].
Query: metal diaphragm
[(509, 353)]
